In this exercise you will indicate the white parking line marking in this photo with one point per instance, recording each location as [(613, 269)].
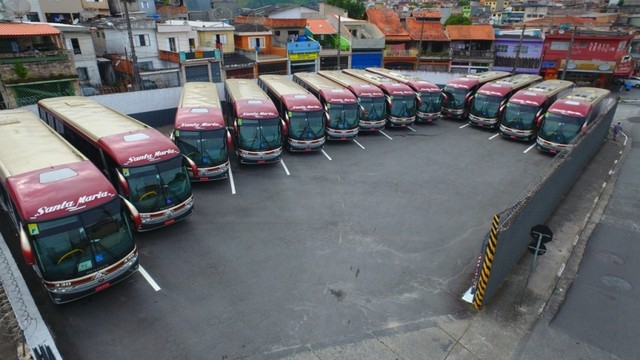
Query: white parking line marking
[(285, 167), (357, 143), (464, 126), (493, 137), (233, 184), (410, 128), (147, 277), (327, 155), (382, 132), (529, 148)]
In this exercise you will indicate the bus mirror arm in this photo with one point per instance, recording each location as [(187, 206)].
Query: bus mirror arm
[(327, 117), (123, 183), (418, 99), (284, 127), (191, 164), (388, 99), (135, 215), (27, 251), (172, 136), (363, 112), (229, 140)]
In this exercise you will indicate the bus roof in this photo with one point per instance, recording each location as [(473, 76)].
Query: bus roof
[(535, 95), (46, 176), (503, 86), (389, 86), (128, 141), (579, 101), (199, 108), (414, 82), (249, 100), (332, 92), (294, 96), (470, 80), (359, 87)]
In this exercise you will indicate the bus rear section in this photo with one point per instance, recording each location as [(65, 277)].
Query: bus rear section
[(257, 128), (429, 104), (523, 114), (569, 117), (73, 228), (489, 102), (459, 92), (144, 165), (371, 100), (401, 99), (299, 109), (340, 105), (200, 133)]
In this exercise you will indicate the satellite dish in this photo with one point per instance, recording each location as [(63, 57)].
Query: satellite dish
[(76, 21), (561, 31), (221, 13)]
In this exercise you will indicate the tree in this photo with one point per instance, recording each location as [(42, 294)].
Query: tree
[(354, 8), (457, 19), (463, 3)]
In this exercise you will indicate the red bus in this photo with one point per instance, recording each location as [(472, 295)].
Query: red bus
[(459, 92), (143, 164), (74, 229), (523, 114), (339, 104), (572, 115), (199, 131), (301, 111), (429, 94), (371, 100), (257, 128), (487, 105), (401, 99)]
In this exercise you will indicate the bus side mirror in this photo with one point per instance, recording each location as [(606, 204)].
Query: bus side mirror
[(538, 118), (444, 97), (172, 136), (327, 117), (388, 100), (191, 164), (418, 99), (363, 112), (468, 99), (27, 251), (124, 185), (229, 140), (502, 106), (284, 127), (133, 212)]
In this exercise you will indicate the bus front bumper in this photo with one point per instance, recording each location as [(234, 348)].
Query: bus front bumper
[(166, 217), (549, 147), (395, 121), (211, 173), (489, 123), (453, 113), (335, 134), (425, 117), (366, 125), (259, 157), (513, 134), (306, 145)]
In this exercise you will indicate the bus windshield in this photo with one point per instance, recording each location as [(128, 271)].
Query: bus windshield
[(255, 135), (486, 106), (205, 148), (430, 102), (561, 129), (78, 245), (519, 116), (159, 186), (344, 116), (306, 125), (403, 106), (456, 97), (374, 108)]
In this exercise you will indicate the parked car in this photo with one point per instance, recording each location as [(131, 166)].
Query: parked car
[(149, 85), (88, 90), (633, 80)]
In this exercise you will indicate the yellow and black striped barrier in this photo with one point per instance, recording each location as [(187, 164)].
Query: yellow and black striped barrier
[(487, 261)]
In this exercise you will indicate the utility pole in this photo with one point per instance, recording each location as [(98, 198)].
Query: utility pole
[(566, 61), (515, 61), (339, 42), (420, 45), (134, 58)]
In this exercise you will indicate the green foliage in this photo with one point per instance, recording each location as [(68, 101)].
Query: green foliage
[(457, 19), (354, 8), (21, 71), (463, 2)]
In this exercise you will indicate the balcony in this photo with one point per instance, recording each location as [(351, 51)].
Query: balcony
[(472, 54), (271, 53), (21, 68), (436, 55), (401, 53), (34, 57), (182, 56)]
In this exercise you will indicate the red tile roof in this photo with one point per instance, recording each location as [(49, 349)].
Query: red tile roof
[(431, 14), (388, 22), (470, 32), (430, 31), (559, 20), (320, 26), (26, 29)]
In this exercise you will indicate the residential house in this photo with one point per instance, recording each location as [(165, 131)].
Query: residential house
[(253, 43), (366, 40), (398, 51), (61, 11), (430, 40), (34, 14), (332, 44), (78, 40), (471, 47), (34, 64), (586, 57), (559, 22), (518, 51)]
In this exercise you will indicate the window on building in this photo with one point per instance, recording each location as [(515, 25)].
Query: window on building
[(256, 42), (560, 45), (145, 65), (502, 48), (144, 5), (83, 75), (33, 16), (75, 44), (142, 40), (277, 32), (192, 44), (523, 50), (172, 44)]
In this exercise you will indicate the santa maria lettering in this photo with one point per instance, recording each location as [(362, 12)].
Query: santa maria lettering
[(151, 157), (71, 205)]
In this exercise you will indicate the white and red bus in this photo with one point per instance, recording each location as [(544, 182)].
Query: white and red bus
[(339, 104), (429, 94), (371, 100), (143, 164), (301, 111), (523, 114), (459, 92), (487, 105), (571, 116), (74, 229), (401, 99), (199, 131), (257, 128)]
